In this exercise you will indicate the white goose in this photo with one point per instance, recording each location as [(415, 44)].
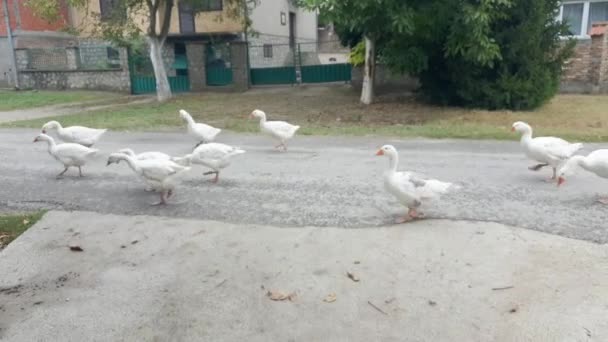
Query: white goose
[(75, 134), (596, 162), (409, 189), (548, 151), (159, 174), (203, 133), (68, 154), (280, 130), (215, 156), (145, 155)]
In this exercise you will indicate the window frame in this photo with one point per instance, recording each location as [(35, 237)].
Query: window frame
[(584, 20), (106, 13), (268, 50), (202, 8)]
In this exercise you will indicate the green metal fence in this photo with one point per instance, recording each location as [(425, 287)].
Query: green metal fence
[(312, 62), (147, 84), (280, 75), (272, 64), (142, 74), (326, 73)]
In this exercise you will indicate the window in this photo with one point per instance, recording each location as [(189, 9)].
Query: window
[(267, 51), (186, 18), (573, 15), (581, 15), (107, 9), (210, 5), (598, 11)]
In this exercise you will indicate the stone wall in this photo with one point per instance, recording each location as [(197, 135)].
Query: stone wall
[(72, 76), (587, 70)]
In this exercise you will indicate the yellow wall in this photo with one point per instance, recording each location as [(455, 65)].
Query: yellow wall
[(208, 22), (205, 22)]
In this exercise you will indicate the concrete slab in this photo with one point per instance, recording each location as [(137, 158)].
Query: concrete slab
[(143, 278)]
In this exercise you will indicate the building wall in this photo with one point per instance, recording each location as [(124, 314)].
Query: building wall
[(208, 22), (587, 70), (266, 19), (22, 18), (205, 22)]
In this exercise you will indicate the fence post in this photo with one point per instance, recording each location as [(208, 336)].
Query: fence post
[(195, 53), (239, 63), (71, 54)]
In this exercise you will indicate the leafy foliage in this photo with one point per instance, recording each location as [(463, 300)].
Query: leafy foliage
[(519, 70), (482, 53)]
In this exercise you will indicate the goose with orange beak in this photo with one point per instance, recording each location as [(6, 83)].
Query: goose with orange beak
[(409, 189), (596, 162), (547, 151), (279, 130)]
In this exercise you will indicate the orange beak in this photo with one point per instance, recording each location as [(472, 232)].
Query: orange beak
[(560, 181), (380, 153)]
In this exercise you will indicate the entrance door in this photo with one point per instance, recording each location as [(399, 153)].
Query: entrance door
[(292, 29)]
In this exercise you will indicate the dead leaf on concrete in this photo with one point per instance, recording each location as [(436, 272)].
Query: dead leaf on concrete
[(75, 248), (352, 276), (432, 303), (281, 296), (330, 298)]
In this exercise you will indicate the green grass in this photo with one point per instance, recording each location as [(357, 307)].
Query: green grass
[(336, 111), (12, 100), (11, 226)]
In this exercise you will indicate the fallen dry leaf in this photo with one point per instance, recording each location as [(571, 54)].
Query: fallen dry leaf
[(25, 222), (280, 295), (330, 298), (352, 276), (76, 249)]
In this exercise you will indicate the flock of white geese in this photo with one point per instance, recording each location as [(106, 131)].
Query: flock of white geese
[(160, 171)]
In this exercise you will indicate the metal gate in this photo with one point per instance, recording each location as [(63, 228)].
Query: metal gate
[(218, 67), (303, 62), (142, 74), (272, 64)]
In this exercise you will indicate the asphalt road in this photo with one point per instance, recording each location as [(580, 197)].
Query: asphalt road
[(320, 181)]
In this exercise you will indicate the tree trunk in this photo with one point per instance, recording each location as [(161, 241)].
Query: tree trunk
[(163, 90), (369, 73)]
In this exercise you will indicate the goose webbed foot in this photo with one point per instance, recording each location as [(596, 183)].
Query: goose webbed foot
[(412, 214), (603, 200), (163, 199), (537, 167), (216, 173)]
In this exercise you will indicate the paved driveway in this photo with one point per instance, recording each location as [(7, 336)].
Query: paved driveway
[(321, 181)]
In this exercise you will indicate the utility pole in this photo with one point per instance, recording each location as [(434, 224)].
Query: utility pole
[(11, 44)]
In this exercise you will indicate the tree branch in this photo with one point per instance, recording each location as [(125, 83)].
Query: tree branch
[(152, 7), (165, 25)]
